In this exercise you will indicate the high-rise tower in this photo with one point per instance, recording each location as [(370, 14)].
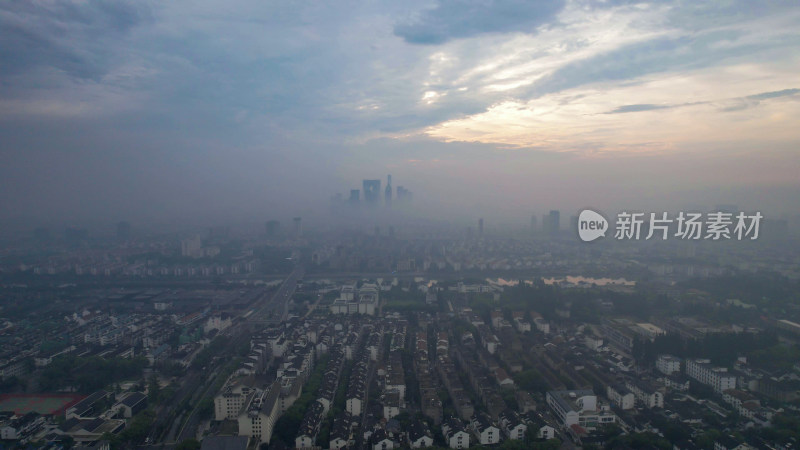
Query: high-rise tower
[(372, 189), (388, 192), (298, 226), (553, 222)]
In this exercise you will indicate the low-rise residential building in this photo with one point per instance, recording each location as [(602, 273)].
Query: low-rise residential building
[(717, 377), (419, 436), (647, 396), (512, 424), (484, 429), (668, 364), (620, 396), (21, 427), (341, 435), (455, 434), (578, 407)]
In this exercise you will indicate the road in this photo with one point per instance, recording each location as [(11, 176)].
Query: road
[(313, 307), (189, 428), (196, 384), (277, 309)]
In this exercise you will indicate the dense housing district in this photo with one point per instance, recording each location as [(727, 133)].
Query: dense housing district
[(393, 363)]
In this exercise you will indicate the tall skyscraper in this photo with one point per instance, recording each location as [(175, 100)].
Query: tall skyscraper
[(403, 194), (480, 226), (533, 223), (553, 221), (388, 194), (372, 189), (355, 197), (298, 226)]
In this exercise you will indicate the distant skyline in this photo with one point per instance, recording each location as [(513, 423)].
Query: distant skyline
[(247, 110)]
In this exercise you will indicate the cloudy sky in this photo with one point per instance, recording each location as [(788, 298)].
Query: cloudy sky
[(196, 110)]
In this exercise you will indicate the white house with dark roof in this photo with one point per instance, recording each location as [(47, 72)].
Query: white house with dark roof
[(512, 425), (341, 435), (381, 440), (455, 433), (419, 436)]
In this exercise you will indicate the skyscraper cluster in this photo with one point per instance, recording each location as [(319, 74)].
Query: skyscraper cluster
[(370, 194)]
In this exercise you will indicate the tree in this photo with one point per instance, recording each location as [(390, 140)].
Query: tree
[(513, 444), (205, 409), (153, 389), (530, 380), (640, 441), (68, 442), (188, 444)]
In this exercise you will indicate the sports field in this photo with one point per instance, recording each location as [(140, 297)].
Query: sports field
[(47, 404)]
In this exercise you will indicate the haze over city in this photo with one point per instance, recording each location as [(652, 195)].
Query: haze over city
[(506, 225), (182, 111)]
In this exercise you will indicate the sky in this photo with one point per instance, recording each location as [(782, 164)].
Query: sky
[(251, 109)]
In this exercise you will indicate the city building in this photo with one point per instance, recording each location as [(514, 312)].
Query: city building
[(372, 189), (230, 401), (455, 434), (355, 197), (579, 407), (257, 419), (717, 377), (512, 425), (272, 228), (486, 431), (552, 222), (192, 247), (298, 226), (354, 300), (403, 194), (620, 396), (419, 436), (668, 364), (388, 192), (647, 396)]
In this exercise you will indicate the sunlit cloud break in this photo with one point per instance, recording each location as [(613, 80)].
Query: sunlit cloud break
[(569, 83)]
